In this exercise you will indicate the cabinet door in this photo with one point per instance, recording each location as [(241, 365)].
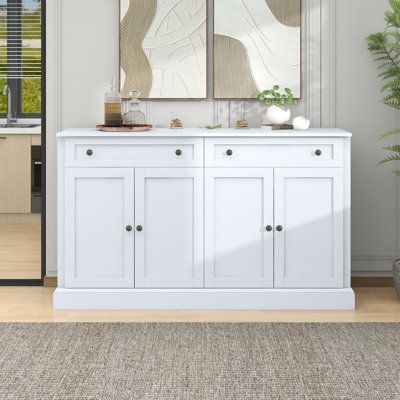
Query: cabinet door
[(169, 215), (239, 208), (99, 249), (309, 247), (15, 174)]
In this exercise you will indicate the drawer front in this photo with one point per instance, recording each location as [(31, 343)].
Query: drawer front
[(135, 152), (272, 152)]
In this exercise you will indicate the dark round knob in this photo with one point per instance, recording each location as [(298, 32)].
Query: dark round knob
[(279, 228), (129, 228), (318, 152), (269, 228), (139, 228), (229, 152), (89, 152), (178, 152)]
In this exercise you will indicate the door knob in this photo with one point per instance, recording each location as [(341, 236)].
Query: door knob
[(89, 152), (229, 152), (279, 228), (269, 228), (318, 152), (129, 228), (178, 152), (139, 228)]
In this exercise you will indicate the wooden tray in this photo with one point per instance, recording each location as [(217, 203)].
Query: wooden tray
[(124, 128), (271, 127)]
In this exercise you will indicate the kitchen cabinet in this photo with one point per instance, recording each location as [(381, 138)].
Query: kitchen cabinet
[(15, 174), (204, 220)]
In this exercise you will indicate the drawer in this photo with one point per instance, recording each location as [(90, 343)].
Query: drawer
[(134, 152), (273, 152)]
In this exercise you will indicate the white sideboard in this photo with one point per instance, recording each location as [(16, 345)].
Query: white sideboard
[(200, 219)]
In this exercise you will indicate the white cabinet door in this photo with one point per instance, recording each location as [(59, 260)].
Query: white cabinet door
[(99, 249), (309, 228), (169, 231), (239, 221)]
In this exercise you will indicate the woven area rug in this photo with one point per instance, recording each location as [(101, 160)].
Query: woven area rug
[(199, 361)]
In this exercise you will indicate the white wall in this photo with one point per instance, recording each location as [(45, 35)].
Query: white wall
[(83, 56), (375, 233)]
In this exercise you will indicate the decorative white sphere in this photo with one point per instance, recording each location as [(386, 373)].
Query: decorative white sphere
[(277, 115), (301, 123)]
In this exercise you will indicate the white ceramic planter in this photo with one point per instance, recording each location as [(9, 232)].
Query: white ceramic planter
[(277, 115)]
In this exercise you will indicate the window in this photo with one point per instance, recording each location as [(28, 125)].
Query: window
[(20, 56)]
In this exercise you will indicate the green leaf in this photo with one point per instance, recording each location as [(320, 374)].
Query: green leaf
[(390, 159), (390, 133), (395, 148), (392, 84), (393, 103), (390, 73)]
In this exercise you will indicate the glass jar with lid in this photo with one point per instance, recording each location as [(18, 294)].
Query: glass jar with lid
[(133, 115)]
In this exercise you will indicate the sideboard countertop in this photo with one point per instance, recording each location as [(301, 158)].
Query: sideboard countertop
[(209, 133)]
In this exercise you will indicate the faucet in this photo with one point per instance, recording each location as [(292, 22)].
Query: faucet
[(10, 118)]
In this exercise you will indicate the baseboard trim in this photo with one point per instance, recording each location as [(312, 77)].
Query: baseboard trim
[(204, 299), (365, 281), (372, 282), (50, 281)]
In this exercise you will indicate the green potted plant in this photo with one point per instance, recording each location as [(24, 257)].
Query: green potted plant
[(276, 99), (385, 46)]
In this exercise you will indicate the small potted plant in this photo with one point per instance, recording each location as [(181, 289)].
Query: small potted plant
[(276, 99)]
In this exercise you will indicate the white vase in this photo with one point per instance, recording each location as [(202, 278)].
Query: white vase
[(277, 115), (301, 123)]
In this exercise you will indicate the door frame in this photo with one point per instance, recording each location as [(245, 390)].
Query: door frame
[(39, 282)]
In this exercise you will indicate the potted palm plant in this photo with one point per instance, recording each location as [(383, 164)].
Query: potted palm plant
[(385, 47)]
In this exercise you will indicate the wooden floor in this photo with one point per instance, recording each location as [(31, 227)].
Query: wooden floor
[(34, 304), (20, 246)]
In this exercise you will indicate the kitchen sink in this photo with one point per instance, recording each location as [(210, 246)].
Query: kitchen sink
[(21, 126)]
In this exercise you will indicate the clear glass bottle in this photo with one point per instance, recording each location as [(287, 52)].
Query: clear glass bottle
[(134, 116), (113, 106)]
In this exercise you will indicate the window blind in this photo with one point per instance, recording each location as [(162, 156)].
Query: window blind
[(20, 39)]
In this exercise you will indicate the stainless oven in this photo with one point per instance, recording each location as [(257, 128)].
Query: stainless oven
[(36, 179)]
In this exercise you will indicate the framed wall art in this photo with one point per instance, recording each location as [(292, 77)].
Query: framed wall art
[(257, 44), (163, 48)]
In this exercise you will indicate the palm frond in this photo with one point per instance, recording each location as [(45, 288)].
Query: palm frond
[(393, 103), (390, 133), (395, 148), (390, 73), (393, 95), (392, 84), (390, 159)]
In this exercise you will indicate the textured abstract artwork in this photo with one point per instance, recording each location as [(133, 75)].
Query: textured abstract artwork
[(257, 44), (163, 48)]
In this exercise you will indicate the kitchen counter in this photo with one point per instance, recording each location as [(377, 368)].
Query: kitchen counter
[(22, 131), (203, 132)]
